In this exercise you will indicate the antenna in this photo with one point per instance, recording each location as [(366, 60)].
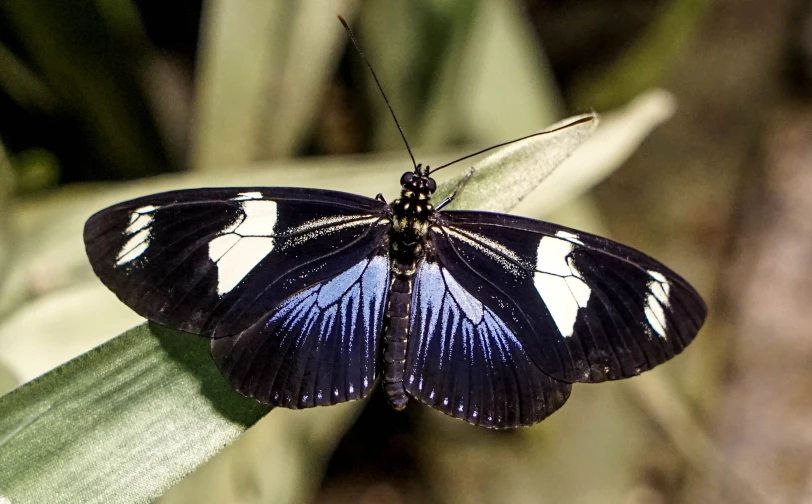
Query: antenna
[(579, 121), (378, 83)]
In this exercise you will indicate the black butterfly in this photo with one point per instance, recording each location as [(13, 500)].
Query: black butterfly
[(309, 296)]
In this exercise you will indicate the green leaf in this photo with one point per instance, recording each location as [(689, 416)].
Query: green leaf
[(501, 180), (242, 53), (120, 423), (267, 66), (613, 142)]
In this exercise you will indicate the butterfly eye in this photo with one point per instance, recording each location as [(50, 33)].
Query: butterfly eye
[(431, 185), (406, 178)]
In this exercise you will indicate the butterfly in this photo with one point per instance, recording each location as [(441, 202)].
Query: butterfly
[(311, 297)]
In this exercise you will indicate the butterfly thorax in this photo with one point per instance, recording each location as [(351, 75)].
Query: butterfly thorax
[(407, 247), (410, 217)]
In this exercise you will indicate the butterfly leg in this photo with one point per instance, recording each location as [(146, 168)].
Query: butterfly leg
[(380, 198), (457, 189)]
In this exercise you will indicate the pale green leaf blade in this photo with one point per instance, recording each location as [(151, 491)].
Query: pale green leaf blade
[(242, 48), (121, 423), (314, 42), (620, 133), (504, 178)]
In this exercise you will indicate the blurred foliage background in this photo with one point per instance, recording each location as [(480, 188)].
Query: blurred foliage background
[(104, 100)]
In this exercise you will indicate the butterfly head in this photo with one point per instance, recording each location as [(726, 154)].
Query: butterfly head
[(418, 182)]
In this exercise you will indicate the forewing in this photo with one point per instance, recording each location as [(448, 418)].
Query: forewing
[(584, 308), (215, 261), (465, 361), (318, 347)]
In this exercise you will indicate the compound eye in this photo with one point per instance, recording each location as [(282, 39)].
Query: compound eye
[(406, 178), (431, 185)]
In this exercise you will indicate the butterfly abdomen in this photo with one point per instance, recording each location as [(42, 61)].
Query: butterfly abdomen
[(395, 338)]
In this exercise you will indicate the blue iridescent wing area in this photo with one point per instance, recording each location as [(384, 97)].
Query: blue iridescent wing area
[(318, 347), (215, 261), (583, 308), (290, 283), (464, 360)]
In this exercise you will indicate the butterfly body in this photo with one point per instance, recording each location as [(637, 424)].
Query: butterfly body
[(411, 215)]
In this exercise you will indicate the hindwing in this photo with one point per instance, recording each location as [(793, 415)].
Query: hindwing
[(466, 361), (318, 347)]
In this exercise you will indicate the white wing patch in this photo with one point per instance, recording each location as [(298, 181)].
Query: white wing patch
[(570, 237), (140, 229), (222, 244), (656, 301), (551, 256), (558, 281), (239, 260), (243, 244), (248, 196)]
